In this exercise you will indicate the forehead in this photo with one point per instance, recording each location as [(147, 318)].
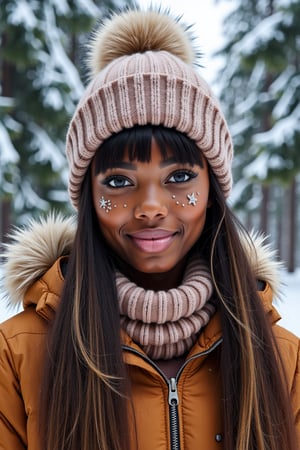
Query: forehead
[(136, 145)]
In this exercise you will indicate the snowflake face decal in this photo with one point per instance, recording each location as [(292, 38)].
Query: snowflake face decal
[(105, 204)]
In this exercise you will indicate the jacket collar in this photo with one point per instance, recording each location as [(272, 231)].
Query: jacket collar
[(32, 272), (32, 252)]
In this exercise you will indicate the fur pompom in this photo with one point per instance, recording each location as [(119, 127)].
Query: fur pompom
[(138, 31)]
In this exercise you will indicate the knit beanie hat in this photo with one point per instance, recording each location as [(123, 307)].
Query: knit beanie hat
[(142, 72)]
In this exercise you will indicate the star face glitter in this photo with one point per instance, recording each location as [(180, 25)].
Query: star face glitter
[(192, 200), (105, 204)]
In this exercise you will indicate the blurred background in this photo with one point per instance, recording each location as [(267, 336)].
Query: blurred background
[(251, 57)]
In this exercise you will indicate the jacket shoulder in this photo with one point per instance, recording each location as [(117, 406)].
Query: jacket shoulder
[(286, 340), (289, 350), (26, 322)]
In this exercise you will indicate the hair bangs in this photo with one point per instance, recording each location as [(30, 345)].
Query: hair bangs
[(137, 142)]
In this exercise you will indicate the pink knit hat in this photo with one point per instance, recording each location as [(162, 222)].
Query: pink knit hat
[(142, 73)]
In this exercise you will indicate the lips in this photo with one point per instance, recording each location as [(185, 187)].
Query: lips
[(153, 240)]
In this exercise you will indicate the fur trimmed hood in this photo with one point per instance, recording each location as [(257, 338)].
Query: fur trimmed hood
[(33, 250)]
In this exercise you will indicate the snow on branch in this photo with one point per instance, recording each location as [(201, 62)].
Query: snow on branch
[(20, 13), (265, 31), (8, 153), (27, 196), (58, 55), (47, 150), (282, 132)]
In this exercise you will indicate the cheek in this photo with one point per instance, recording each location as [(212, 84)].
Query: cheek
[(196, 221), (112, 214), (110, 221), (191, 208), (194, 218)]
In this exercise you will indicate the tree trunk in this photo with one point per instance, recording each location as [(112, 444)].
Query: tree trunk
[(279, 235), (292, 239), (264, 212), (7, 91), (5, 220)]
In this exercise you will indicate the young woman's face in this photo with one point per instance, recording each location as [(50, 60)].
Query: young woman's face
[(151, 213)]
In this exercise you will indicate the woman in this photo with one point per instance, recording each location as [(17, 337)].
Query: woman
[(150, 324)]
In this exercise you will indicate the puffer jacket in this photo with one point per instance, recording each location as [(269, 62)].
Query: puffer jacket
[(182, 412)]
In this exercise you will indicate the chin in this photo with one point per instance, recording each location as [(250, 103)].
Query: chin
[(154, 268)]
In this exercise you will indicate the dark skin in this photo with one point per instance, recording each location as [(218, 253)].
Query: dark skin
[(156, 213), (154, 281)]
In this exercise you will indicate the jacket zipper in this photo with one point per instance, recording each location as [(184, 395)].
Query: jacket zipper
[(173, 409), (172, 383)]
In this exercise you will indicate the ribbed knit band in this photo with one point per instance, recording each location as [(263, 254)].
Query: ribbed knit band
[(166, 323), (156, 88)]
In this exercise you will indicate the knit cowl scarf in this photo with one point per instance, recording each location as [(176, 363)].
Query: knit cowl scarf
[(165, 324)]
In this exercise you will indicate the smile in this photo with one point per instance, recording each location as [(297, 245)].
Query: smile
[(153, 241)]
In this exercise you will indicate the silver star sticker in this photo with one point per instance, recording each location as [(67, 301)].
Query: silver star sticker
[(192, 200)]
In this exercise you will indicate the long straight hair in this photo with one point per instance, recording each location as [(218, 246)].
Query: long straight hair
[(257, 406), (85, 388)]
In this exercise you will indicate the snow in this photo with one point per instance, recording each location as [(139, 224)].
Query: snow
[(59, 196), (257, 74), (262, 34), (53, 99), (89, 7), (61, 6), (21, 14), (8, 153), (258, 168), (283, 131), (59, 58), (237, 190), (285, 3), (27, 196), (282, 80), (247, 105), (239, 127), (282, 107), (47, 150), (7, 102)]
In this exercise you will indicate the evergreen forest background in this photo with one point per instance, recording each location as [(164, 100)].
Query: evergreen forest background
[(42, 77)]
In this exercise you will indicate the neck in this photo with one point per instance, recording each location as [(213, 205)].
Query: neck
[(154, 281)]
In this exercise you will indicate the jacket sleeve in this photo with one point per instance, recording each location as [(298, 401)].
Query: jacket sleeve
[(295, 392), (13, 417), (289, 347)]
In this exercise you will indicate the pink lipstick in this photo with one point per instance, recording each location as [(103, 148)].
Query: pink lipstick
[(153, 240)]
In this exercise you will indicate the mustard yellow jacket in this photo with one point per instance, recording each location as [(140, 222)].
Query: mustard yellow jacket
[(186, 410)]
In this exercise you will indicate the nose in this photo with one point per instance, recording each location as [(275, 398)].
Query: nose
[(151, 205)]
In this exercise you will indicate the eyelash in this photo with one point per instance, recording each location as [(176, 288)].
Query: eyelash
[(184, 172), (112, 178), (189, 173)]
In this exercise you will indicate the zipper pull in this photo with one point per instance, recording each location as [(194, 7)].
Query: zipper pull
[(173, 394)]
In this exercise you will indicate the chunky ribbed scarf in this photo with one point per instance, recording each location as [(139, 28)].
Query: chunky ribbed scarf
[(166, 323)]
